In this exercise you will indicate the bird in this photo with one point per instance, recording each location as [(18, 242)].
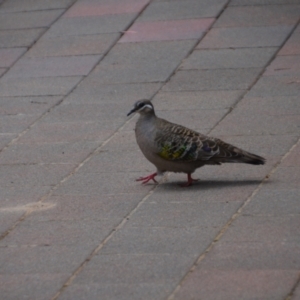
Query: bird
[(174, 148)]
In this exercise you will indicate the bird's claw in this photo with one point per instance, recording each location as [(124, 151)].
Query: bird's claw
[(147, 178)]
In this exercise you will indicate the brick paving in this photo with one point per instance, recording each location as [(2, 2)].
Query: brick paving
[(74, 224)]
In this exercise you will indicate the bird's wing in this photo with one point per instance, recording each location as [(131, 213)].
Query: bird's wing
[(178, 143)]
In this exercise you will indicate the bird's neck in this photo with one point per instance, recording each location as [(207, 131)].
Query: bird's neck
[(149, 116)]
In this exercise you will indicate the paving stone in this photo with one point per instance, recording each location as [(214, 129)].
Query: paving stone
[(268, 15), (252, 256), (191, 9), (267, 229), (19, 38), (114, 160), (293, 159), (26, 105), (272, 106), (291, 47), (15, 198), (16, 123), (88, 113), (287, 177), (148, 268), (32, 232), (10, 55), (53, 66), (90, 25), (270, 36), (96, 8), (89, 207), (261, 2), (296, 293), (167, 30), (109, 114), (147, 53), (220, 79), (107, 74), (134, 62), (31, 286), (73, 45), (284, 65), (147, 240), (246, 124), (229, 58), (49, 86), (274, 202), (43, 259), (30, 175), (122, 141), (205, 216), (90, 91), (285, 85), (196, 100), (238, 284), (134, 291), (47, 153), (194, 119), (2, 71), (68, 132), (32, 5), (6, 138), (33, 19), (103, 183), (7, 221)]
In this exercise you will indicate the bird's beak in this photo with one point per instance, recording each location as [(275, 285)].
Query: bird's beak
[(131, 112)]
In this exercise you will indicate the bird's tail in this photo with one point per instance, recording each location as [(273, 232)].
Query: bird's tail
[(231, 154), (250, 158)]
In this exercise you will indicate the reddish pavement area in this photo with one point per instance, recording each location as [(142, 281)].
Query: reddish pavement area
[(74, 224)]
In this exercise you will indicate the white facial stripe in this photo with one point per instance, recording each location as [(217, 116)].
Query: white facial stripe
[(147, 105)]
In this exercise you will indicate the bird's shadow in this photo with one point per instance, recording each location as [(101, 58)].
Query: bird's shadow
[(208, 184)]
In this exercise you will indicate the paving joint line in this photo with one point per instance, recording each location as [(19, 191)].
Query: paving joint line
[(27, 213), (188, 54), (256, 79), (291, 293), (101, 245), (228, 224), (38, 38)]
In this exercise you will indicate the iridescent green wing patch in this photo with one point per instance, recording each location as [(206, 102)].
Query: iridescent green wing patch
[(177, 151)]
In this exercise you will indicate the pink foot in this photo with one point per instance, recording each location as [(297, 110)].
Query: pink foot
[(189, 182), (147, 178)]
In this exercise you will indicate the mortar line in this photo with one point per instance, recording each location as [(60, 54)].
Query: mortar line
[(101, 245), (27, 213), (102, 56), (291, 293), (256, 79), (231, 220), (46, 28)]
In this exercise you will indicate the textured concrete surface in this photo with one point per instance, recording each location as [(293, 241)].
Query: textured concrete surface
[(74, 224)]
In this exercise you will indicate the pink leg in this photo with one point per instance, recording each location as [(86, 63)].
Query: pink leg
[(147, 178), (189, 182)]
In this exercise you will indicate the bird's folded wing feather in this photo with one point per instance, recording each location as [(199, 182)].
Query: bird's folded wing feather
[(177, 143)]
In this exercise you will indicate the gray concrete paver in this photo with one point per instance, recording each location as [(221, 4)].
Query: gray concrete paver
[(70, 159), (35, 19), (33, 5), (191, 9), (19, 37)]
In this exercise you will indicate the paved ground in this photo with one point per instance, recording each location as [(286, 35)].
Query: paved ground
[(74, 223)]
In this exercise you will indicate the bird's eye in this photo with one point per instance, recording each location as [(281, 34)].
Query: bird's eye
[(140, 105)]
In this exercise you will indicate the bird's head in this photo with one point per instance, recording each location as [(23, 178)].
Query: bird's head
[(143, 107)]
